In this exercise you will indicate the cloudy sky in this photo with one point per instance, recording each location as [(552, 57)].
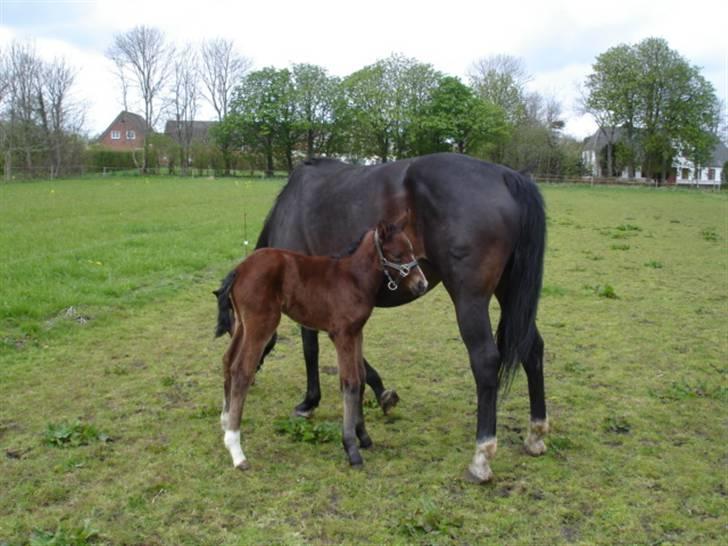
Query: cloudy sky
[(557, 39)]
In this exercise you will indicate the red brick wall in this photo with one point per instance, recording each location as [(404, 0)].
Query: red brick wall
[(123, 143)]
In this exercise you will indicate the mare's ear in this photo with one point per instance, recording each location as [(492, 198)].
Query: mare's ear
[(403, 219)]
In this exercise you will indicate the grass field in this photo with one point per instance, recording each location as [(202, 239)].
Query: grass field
[(110, 383)]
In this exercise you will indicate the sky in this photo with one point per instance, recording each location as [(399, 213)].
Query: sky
[(558, 40)]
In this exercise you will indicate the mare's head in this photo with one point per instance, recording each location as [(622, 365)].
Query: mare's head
[(397, 257)]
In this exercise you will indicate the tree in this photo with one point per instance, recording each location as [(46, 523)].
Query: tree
[(185, 93), (143, 58), (457, 118), (40, 118), (661, 101), (501, 80), (315, 94), (221, 70), (263, 116), (384, 103)]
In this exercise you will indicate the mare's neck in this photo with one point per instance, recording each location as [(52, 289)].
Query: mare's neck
[(365, 266)]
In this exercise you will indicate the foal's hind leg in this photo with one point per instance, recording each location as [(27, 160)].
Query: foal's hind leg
[(242, 371), (539, 424)]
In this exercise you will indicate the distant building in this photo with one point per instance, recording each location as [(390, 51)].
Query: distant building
[(200, 131), (685, 173), (126, 132)]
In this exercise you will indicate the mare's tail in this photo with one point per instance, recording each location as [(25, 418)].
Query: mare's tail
[(225, 306), (520, 286)]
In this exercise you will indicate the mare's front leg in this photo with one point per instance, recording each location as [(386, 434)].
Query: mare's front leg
[(351, 375)]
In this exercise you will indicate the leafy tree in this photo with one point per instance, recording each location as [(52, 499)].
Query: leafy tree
[(263, 115), (457, 118), (315, 95), (663, 103), (383, 106)]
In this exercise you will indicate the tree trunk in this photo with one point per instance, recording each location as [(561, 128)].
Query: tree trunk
[(269, 157), (309, 144)]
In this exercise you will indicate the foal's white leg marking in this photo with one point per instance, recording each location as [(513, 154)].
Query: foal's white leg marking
[(232, 443), (534, 443), (484, 452)]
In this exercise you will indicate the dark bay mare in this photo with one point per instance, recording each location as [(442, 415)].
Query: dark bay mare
[(479, 228), (335, 295)]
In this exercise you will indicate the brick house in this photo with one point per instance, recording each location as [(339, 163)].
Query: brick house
[(126, 132)]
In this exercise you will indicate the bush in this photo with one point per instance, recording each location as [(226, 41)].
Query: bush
[(98, 159)]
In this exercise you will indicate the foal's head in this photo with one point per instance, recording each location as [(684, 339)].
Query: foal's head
[(397, 257)]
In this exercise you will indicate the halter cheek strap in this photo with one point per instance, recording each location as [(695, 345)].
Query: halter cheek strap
[(404, 269)]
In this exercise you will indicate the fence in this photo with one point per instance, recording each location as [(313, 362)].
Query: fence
[(80, 171)]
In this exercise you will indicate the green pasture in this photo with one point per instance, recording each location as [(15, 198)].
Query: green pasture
[(110, 383)]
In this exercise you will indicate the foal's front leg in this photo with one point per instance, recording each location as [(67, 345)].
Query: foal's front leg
[(351, 374)]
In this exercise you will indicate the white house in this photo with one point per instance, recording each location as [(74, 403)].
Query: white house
[(685, 172)]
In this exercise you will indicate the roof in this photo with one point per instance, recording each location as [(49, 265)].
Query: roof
[(598, 141), (200, 129)]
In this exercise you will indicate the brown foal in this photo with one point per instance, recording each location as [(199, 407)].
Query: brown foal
[(335, 295)]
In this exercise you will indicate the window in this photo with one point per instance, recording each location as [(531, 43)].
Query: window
[(115, 135), (711, 174), (131, 135), (685, 174)]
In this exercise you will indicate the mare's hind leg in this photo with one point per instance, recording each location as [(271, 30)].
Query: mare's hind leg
[(539, 424), (313, 386), (387, 398), (477, 334)]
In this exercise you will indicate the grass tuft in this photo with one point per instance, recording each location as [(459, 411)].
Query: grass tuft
[(72, 434), (300, 429)]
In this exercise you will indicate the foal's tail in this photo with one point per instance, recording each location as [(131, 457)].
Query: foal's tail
[(520, 292), (225, 306)]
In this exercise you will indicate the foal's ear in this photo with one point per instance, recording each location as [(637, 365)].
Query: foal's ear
[(384, 229), (403, 219)]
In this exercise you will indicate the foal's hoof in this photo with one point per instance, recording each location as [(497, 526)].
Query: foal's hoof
[(365, 442), (388, 400), (243, 466), (478, 477)]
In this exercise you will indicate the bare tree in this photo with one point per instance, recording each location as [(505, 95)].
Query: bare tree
[(143, 57), (59, 114), (23, 68), (185, 94), (501, 79), (221, 70)]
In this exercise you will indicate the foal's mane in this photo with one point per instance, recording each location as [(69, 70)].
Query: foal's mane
[(351, 248)]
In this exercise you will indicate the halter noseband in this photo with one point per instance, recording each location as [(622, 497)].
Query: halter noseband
[(404, 269)]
